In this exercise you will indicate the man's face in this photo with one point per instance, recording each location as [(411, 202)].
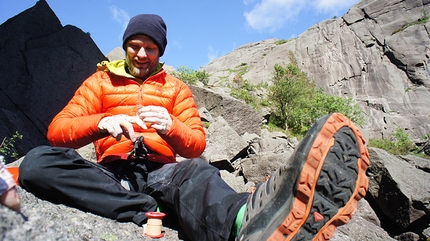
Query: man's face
[(142, 56)]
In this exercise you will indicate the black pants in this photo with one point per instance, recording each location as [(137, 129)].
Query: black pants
[(205, 205)]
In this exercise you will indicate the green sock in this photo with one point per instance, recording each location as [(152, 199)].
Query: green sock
[(238, 222)]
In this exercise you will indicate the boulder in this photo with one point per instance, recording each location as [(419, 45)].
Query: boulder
[(223, 145), (42, 64), (240, 116), (364, 225), (400, 190)]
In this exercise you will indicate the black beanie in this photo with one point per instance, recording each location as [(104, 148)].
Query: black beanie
[(150, 25)]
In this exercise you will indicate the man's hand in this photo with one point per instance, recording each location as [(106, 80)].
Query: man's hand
[(158, 117), (117, 125)]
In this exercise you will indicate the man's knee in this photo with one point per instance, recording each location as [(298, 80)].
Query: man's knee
[(35, 163), (29, 163)]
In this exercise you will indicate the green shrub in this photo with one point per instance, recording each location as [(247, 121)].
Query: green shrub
[(241, 88), (281, 41), (190, 76), (288, 93), (399, 144), (7, 146), (297, 103), (240, 69), (244, 92)]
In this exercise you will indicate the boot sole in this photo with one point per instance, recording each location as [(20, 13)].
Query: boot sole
[(331, 183)]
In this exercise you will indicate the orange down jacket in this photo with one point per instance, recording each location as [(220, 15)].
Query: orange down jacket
[(112, 91)]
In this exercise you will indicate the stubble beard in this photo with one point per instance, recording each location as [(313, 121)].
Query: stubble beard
[(136, 72)]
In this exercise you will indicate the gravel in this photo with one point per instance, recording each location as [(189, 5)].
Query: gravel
[(41, 220)]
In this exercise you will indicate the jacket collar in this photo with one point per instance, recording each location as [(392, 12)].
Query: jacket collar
[(118, 67)]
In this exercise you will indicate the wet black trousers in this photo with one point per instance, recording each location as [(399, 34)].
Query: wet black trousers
[(205, 206)]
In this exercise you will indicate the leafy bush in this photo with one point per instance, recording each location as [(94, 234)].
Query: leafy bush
[(7, 146), (297, 103), (190, 76), (244, 90), (399, 144), (281, 41), (240, 69), (288, 92)]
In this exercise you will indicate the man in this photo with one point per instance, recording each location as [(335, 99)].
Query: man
[(139, 118)]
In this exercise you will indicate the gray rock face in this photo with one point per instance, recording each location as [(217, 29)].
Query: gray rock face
[(377, 53), (42, 63)]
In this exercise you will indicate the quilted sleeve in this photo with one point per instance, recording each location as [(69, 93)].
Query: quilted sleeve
[(187, 135)]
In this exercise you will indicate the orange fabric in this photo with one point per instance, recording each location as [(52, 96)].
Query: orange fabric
[(104, 94)]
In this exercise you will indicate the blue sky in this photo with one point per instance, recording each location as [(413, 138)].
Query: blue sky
[(197, 31)]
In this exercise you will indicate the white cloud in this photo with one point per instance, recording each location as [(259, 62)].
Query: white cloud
[(212, 54), (334, 6), (270, 15), (120, 15)]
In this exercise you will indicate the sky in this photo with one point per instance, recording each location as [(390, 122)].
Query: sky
[(197, 31)]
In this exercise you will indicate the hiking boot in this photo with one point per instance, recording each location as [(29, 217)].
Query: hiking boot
[(317, 190)]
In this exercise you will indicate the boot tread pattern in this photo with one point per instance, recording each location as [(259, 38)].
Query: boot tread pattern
[(331, 183)]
